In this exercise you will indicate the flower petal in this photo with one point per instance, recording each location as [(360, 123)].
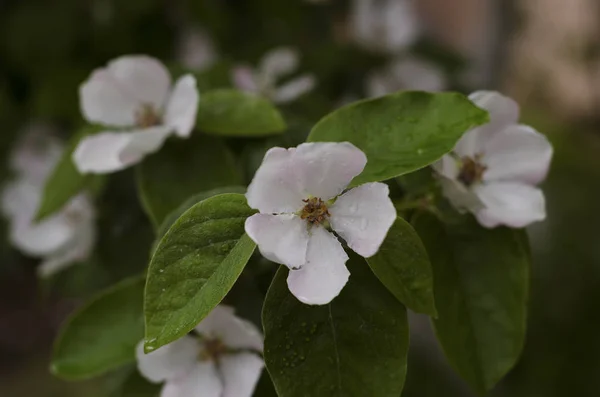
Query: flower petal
[(462, 198), (168, 362), (447, 167), (240, 373), (235, 332), (195, 49), (113, 151), (280, 238), (203, 380), (326, 168), (324, 274), (275, 187), (295, 88), (406, 74), (43, 238), (510, 204), (278, 62), (181, 110), (503, 112), (362, 216), (244, 79), (36, 152), (519, 154)]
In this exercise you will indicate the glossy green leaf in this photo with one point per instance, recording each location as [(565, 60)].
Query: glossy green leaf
[(235, 113), (65, 181), (182, 168), (402, 265), (103, 334), (194, 266), (402, 132), (354, 346), (481, 279)]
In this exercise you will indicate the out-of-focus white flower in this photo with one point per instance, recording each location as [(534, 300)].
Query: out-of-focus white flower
[(384, 25), (196, 49), (60, 240), (222, 360), (494, 169), (133, 96), (300, 195), (405, 74), (263, 80)]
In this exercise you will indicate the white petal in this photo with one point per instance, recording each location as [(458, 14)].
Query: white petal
[(362, 216), (240, 373), (324, 274), (326, 168), (36, 153), (278, 62), (202, 381), (113, 151), (447, 166), (183, 106), (196, 49), (168, 362), (236, 333), (20, 199), (244, 79), (402, 24), (503, 112), (510, 204), (275, 187), (518, 153), (293, 89), (462, 198), (280, 238)]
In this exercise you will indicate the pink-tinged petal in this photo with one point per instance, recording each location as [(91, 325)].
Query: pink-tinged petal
[(461, 197), (235, 332), (278, 62), (519, 154), (36, 152), (326, 168), (182, 107), (20, 199), (172, 361), (275, 187), (294, 89), (113, 151), (203, 380), (503, 112), (447, 166), (511, 204), (244, 79), (362, 216), (324, 274), (240, 373), (280, 238), (195, 49)]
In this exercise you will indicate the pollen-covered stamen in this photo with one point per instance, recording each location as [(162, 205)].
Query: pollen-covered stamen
[(315, 211), (146, 116), (472, 170), (213, 349)]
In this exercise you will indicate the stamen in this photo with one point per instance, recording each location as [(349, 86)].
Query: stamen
[(146, 117), (213, 349), (315, 211), (472, 170)]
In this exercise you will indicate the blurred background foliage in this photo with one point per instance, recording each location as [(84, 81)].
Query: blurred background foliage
[(542, 52)]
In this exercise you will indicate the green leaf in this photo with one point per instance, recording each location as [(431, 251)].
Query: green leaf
[(189, 203), (230, 112), (402, 132), (182, 168), (194, 266), (402, 265), (65, 181), (103, 334), (481, 279), (355, 346)]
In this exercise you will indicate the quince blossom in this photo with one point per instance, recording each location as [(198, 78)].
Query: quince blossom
[(404, 74), (275, 64), (494, 169), (221, 359), (134, 98), (62, 239), (300, 195)]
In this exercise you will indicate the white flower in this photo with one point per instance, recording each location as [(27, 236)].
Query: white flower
[(134, 98), (60, 240), (384, 25), (494, 169), (222, 360), (405, 74), (298, 192), (274, 65), (196, 49)]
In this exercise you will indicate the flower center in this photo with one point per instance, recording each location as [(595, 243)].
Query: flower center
[(146, 116), (315, 211), (213, 349), (472, 170)]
